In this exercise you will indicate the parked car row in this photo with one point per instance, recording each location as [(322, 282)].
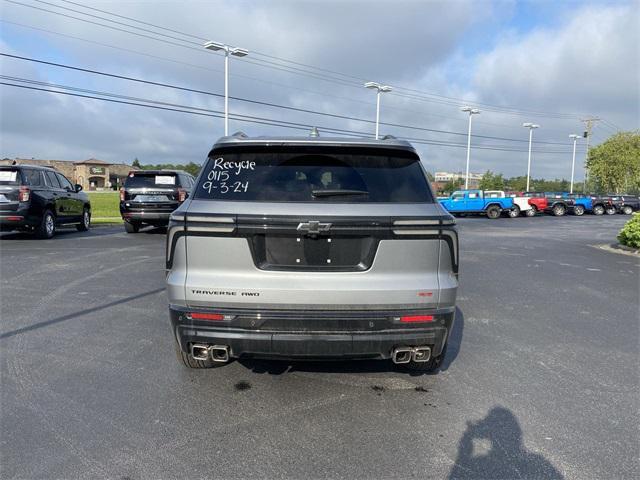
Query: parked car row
[(40, 199), (494, 203)]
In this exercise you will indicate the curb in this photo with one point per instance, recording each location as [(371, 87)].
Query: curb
[(618, 248)]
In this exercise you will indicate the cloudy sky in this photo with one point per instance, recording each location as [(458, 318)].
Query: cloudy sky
[(551, 63)]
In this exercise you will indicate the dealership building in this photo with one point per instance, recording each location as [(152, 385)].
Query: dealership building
[(92, 174)]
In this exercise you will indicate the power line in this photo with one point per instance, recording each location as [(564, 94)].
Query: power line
[(133, 101), (262, 80), (424, 96), (359, 79), (269, 104), (191, 46), (203, 39)]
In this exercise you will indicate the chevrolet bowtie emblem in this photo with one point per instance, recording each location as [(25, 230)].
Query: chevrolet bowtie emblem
[(313, 226)]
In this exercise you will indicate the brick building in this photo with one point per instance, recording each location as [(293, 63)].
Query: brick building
[(92, 174), (441, 179)]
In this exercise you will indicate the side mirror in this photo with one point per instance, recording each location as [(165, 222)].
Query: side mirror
[(78, 188)]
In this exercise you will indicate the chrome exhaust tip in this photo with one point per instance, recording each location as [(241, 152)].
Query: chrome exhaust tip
[(401, 355), (199, 351), (219, 353), (421, 354)]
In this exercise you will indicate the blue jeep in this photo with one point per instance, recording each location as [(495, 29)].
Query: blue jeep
[(474, 202), (582, 203)]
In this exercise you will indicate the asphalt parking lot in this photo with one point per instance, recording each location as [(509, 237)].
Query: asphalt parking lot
[(541, 380)]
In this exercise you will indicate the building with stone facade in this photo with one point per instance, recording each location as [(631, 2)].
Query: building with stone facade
[(92, 174)]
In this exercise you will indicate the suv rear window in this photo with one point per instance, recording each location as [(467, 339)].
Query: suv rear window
[(310, 177), (10, 176), (152, 180)]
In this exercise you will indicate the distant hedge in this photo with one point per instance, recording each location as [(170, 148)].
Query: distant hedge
[(630, 233)]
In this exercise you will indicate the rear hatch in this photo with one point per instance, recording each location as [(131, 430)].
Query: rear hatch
[(152, 191), (295, 227), (10, 181)]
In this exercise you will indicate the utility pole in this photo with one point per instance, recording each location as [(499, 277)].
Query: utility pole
[(589, 122)]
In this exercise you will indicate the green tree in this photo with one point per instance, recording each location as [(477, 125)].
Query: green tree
[(614, 166), (453, 185), (516, 184), (191, 167), (491, 181)]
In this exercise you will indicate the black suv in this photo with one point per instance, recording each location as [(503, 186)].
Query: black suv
[(149, 196), (38, 199), (626, 204)]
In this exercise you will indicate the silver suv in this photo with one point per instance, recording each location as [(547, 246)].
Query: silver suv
[(312, 248)]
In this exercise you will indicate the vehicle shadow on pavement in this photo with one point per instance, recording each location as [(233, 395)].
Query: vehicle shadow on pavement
[(80, 313), (279, 367), (493, 448)]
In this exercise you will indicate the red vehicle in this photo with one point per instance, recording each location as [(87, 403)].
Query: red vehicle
[(538, 202)]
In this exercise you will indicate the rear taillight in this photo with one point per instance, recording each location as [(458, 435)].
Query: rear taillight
[(417, 318), (182, 195), (122, 194), (24, 194), (206, 316)]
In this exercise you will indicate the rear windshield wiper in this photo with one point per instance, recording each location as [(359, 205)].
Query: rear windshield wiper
[(334, 192)]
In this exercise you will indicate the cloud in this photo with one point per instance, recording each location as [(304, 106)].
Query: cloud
[(584, 63)]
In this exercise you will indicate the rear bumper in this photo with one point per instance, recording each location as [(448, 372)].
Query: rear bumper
[(311, 334), (146, 216), (12, 221)]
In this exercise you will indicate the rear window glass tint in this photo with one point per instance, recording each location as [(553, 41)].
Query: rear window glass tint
[(295, 177), (150, 180), (10, 177), (32, 177)]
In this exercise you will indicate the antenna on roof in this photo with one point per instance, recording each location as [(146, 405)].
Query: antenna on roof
[(314, 132), (240, 134), (388, 137)]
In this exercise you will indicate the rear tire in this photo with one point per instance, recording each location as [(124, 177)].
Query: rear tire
[(493, 212), (598, 210), (47, 227), (514, 212), (188, 361), (578, 210), (131, 227), (559, 210), (85, 224), (610, 210), (627, 210), (531, 212)]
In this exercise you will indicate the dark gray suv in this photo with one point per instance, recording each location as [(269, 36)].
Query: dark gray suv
[(312, 248)]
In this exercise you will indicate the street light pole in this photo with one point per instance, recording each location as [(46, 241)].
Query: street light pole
[(530, 126), (226, 92), (377, 113), (472, 112), (573, 162), (228, 50), (379, 89)]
